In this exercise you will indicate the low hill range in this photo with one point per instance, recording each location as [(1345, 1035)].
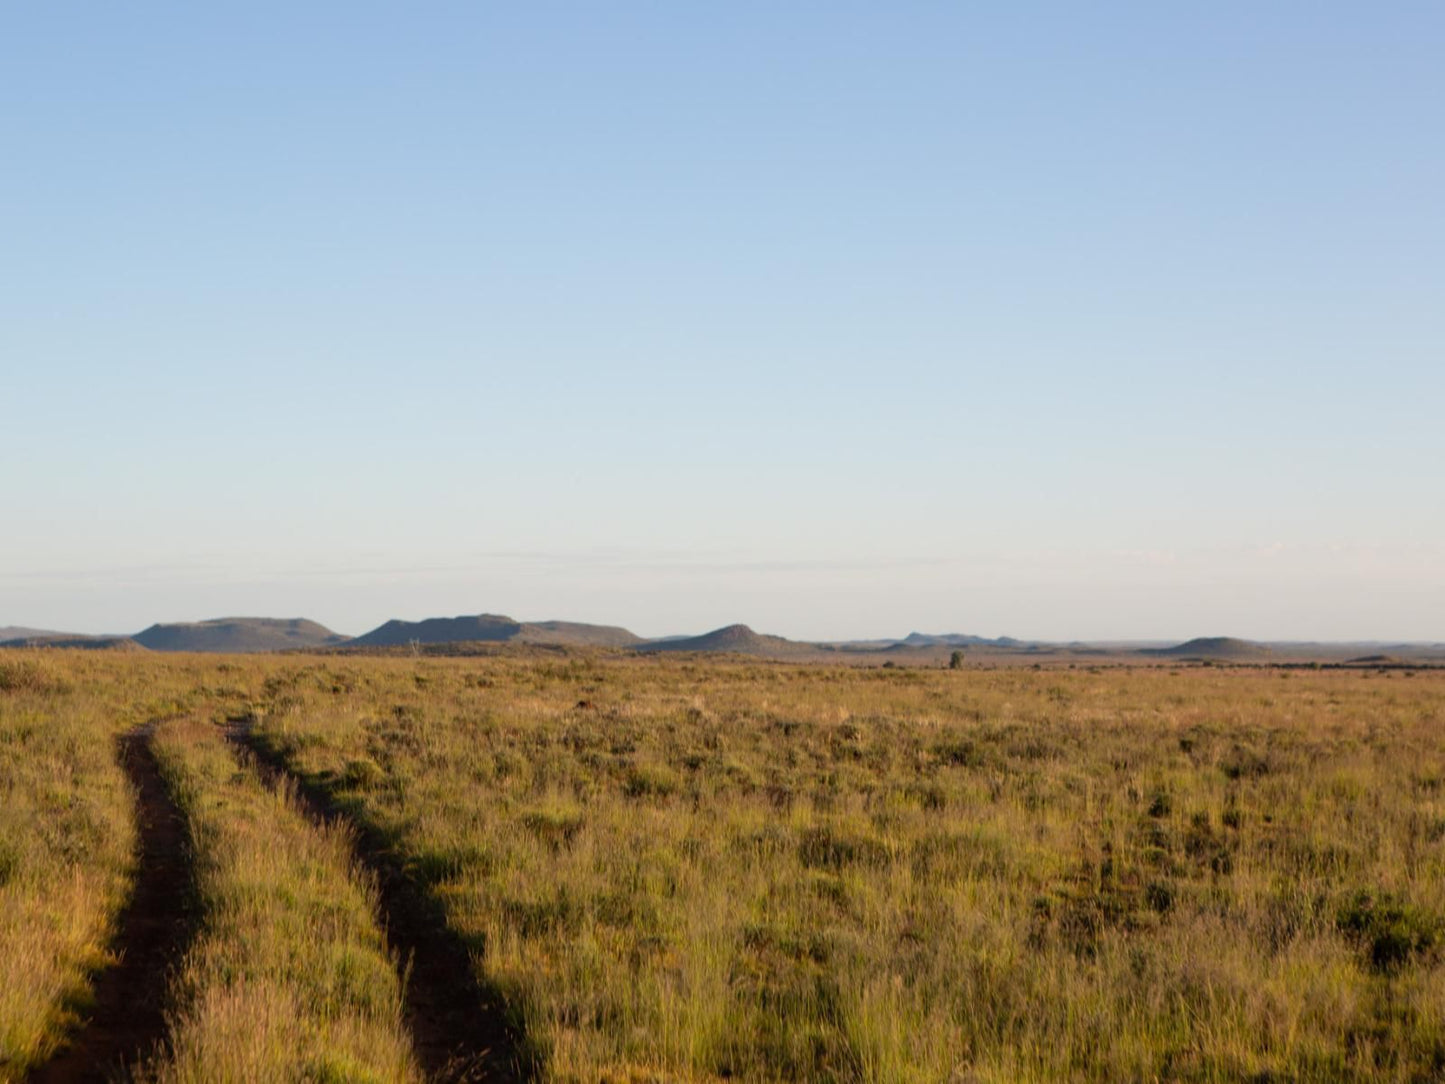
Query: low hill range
[(448, 635), (955, 639), (917, 648)]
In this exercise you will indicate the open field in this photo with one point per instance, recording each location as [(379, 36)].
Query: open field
[(683, 869)]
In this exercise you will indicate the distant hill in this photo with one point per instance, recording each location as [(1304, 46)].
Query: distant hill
[(574, 632), (440, 630), (494, 628), (239, 634), (20, 632), (68, 640), (1210, 647), (955, 639), (734, 638)]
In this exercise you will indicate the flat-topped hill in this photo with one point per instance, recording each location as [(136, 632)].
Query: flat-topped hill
[(239, 634), (494, 628)]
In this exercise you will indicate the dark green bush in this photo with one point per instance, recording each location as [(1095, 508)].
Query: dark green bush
[(1390, 930)]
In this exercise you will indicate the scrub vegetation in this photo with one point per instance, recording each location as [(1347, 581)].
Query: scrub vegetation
[(676, 869), (710, 871)]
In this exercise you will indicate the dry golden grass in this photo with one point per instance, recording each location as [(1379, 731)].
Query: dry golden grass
[(682, 870), (65, 846), (290, 978), (705, 871)]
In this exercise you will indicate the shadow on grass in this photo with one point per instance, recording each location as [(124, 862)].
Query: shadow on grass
[(460, 1024)]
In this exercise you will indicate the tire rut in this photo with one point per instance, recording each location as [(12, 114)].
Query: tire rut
[(459, 1025), (126, 1022)]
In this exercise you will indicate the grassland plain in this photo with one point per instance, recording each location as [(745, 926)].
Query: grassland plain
[(66, 835), (290, 978), (688, 870), (681, 869)]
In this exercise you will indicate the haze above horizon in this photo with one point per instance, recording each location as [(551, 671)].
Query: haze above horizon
[(1065, 323)]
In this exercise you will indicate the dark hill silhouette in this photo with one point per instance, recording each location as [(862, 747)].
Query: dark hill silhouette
[(493, 628), (738, 639), (239, 634), (1210, 647)]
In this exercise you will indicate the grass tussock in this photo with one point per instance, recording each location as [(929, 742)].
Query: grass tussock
[(19, 674), (290, 978)]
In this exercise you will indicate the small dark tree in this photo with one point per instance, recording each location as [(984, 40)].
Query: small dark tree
[(955, 661)]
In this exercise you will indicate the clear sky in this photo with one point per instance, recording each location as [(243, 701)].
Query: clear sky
[(840, 319)]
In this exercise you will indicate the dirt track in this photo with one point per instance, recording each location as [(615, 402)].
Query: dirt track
[(127, 1022), (459, 1027)]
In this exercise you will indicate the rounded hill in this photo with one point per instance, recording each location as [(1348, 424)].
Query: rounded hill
[(1212, 647), (738, 639)]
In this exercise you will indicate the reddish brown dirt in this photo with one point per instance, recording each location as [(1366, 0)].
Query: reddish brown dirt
[(460, 1028), (126, 1023)]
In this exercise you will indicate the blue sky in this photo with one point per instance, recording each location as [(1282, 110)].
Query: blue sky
[(1054, 320)]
